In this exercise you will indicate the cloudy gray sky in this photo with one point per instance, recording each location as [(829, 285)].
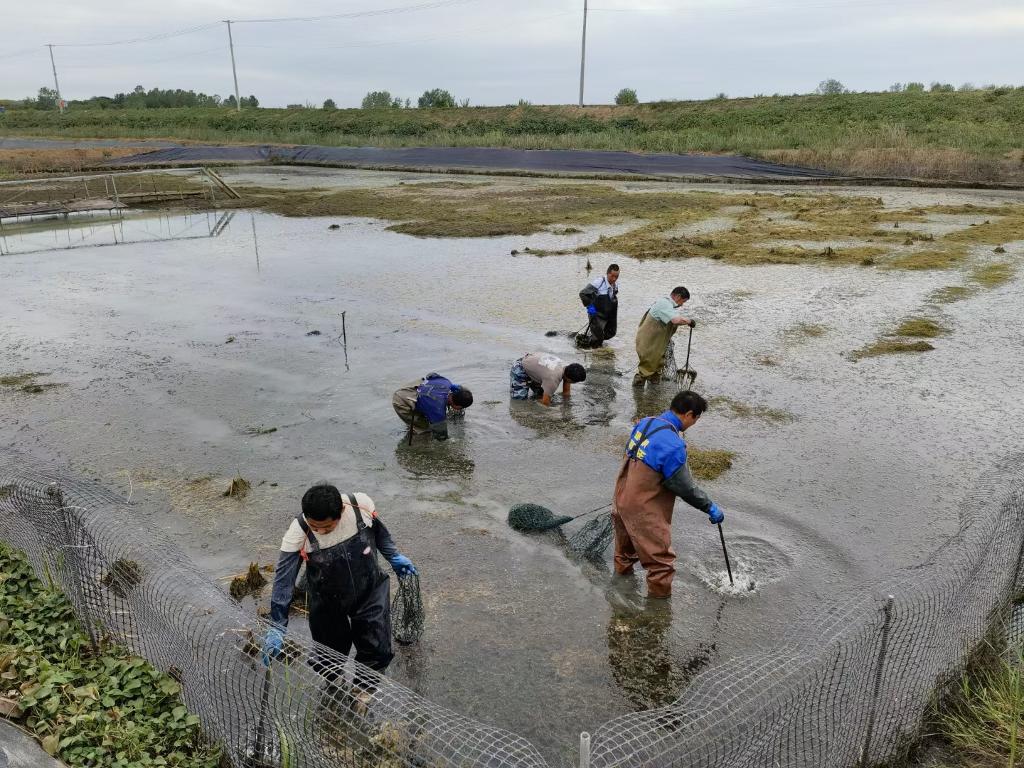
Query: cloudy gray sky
[(499, 51)]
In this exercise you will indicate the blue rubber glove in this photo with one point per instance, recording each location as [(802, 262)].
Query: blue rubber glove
[(715, 514), (272, 645), (591, 310), (403, 565)]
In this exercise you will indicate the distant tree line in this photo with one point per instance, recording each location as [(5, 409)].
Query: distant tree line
[(434, 98), (139, 98)]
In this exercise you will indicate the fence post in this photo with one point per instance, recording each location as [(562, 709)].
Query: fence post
[(113, 184), (584, 750), (879, 666), (71, 548)]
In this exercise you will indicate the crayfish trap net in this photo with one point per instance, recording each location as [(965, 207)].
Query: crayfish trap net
[(407, 614)]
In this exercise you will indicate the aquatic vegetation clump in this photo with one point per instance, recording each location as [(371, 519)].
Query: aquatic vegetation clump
[(709, 463), (890, 347), (250, 582), (921, 328)]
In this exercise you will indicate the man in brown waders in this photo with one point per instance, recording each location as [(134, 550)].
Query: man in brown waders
[(653, 337), (653, 473)]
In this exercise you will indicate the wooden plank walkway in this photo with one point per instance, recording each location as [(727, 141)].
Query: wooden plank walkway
[(58, 207), (63, 207)]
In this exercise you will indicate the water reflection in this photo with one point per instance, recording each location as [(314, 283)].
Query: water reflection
[(426, 457), (89, 230), (640, 642)]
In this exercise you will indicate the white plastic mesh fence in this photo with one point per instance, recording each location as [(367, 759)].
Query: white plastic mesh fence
[(132, 586)]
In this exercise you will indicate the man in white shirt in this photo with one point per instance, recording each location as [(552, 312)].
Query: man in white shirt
[(601, 298), (538, 375), (348, 592)]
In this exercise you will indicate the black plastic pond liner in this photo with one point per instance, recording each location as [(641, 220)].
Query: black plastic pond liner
[(494, 158)]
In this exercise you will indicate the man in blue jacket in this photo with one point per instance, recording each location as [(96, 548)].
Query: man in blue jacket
[(653, 474), (424, 405)]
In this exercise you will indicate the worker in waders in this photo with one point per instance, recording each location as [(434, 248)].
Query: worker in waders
[(338, 539), (539, 375), (601, 299), (654, 336), (424, 405), (653, 474)]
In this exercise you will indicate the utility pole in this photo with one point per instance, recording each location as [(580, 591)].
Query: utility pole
[(234, 71), (56, 85), (583, 51)]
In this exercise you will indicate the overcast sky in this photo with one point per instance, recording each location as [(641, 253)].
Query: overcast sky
[(500, 51)]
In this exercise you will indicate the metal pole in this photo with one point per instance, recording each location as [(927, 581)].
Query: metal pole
[(728, 565), (583, 51), (234, 71), (584, 750), (255, 242), (879, 665), (56, 85)]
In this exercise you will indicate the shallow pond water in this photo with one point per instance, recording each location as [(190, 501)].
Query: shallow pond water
[(158, 402)]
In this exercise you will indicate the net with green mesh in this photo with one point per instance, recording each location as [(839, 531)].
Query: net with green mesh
[(534, 517), (592, 539)]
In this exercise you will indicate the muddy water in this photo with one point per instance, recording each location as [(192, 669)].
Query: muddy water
[(866, 480)]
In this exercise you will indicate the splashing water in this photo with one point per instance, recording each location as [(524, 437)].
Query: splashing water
[(745, 584)]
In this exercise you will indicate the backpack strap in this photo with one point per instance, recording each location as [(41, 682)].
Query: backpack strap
[(305, 529), (360, 524), (647, 435)]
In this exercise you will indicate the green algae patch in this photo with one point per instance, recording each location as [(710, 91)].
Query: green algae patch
[(951, 294), (27, 383), (920, 328), (804, 331), (994, 275), (890, 347), (741, 410), (930, 259), (766, 228), (709, 463)]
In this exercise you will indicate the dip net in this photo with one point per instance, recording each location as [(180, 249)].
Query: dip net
[(407, 614), (533, 517)]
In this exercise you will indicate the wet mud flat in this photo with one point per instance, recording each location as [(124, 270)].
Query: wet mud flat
[(184, 364)]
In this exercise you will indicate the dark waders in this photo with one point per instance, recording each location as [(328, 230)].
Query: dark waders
[(348, 599), (604, 325)]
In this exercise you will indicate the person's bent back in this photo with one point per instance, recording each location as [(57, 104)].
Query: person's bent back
[(424, 405)]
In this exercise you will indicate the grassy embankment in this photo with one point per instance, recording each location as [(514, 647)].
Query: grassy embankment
[(105, 708), (973, 136)]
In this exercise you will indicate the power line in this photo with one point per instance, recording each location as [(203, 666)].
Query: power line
[(360, 14), (408, 41), (146, 39)]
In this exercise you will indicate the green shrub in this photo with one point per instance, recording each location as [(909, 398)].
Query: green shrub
[(626, 97)]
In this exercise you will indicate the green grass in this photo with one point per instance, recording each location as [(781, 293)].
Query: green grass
[(89, 708), (983, 724), (966, 135)]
